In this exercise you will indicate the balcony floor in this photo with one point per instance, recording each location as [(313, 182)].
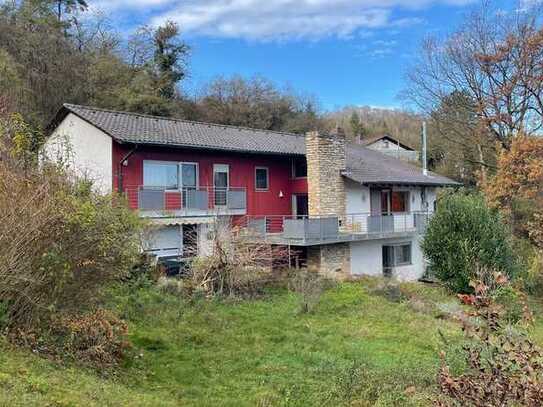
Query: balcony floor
[(279, 239)]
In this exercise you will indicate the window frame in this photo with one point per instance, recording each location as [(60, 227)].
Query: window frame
[(399, 246), (267, 179), (178, 164)]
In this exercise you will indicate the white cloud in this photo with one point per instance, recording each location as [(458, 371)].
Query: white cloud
[(277, 19)]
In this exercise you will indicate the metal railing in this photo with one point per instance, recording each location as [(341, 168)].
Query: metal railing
[(333, 227), (196, 199)]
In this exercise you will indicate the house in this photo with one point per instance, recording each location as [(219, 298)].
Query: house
[(347, 209), (387, 144)]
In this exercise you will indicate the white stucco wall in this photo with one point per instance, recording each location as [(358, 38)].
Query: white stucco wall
[(84, 149), (367, 259), (359, 201), (358, 197)]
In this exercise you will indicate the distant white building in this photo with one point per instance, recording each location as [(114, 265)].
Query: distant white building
[(389, 145)]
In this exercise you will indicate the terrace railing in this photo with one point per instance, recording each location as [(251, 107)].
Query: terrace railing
[(315, 229), (190, 200)]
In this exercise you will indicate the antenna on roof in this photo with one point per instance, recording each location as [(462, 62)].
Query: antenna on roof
[(424, 149)]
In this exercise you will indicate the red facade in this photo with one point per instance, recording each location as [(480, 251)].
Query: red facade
[(277, 200)]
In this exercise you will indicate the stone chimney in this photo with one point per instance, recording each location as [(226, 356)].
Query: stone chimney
[(326, 158)]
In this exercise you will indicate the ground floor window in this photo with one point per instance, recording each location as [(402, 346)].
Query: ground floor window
[(396, 255)]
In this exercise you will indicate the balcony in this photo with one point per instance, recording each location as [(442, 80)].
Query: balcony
[(198, 201), (307, 231)]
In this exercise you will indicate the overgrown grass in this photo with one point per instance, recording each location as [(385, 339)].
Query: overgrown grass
[(356, 347)]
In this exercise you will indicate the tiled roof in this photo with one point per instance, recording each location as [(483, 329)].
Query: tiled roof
[(144, 129), (372, 167), (363, 165)]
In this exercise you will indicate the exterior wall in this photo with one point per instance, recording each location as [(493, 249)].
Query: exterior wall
[(331, 260), (325, 161), (359, 200), (358, 197), (366, 258), (83, 148), (382, 145), (242, 174), (327, 195)]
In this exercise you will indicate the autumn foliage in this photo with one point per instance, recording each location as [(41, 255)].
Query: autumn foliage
[(504, 367), (517, 187)]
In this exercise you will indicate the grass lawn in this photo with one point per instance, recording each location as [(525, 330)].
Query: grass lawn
[(356, 348)]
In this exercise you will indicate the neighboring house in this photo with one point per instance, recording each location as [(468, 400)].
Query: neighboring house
[(346, 209), (389, 145)]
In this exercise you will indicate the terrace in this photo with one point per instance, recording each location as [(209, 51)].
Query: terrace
[(329, 229)]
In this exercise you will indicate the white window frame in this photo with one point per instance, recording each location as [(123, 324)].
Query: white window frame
[(267, 179), (179, 172)]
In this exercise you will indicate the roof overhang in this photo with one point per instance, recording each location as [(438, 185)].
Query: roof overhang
[(404, 182)]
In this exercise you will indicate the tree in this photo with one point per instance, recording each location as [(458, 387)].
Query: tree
[(169, 58), (495, 59), (68, 6), (356, 126), (256, 102), (464, 232), (517, 187), (461, 146)]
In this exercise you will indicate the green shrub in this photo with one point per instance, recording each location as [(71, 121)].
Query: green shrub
[(462, 233)]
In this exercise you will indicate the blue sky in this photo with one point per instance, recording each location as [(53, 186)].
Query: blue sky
[(345, 52)]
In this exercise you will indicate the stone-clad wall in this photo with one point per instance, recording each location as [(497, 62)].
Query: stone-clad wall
[(326, 159)]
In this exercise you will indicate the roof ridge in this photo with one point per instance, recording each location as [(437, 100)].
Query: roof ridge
[(175, 119)]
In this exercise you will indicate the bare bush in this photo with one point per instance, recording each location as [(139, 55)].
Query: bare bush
[(504, 367), (97, 338), (237, 264), (60, 243), (310, 286)]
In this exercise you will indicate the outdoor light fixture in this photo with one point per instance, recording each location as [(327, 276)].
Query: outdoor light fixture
[(281, 194)]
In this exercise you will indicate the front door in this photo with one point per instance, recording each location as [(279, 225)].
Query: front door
[(388, 260), (220, 183)]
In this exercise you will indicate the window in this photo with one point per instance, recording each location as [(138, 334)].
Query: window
[(299, 167), (400, 201), (396, 255), (261, 178), (163, 175), (170, 175)]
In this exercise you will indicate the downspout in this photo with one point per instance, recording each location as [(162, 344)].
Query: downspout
[(120, 168)]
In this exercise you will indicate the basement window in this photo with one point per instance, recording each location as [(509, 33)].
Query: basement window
[(261, 179), (396, 255)]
